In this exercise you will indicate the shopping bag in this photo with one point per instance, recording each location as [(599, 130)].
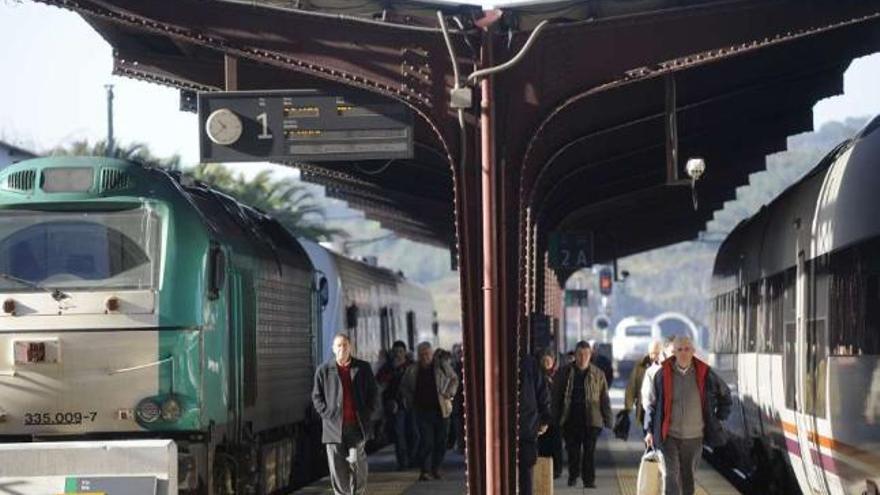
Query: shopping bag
[(650, 481), (542, 476)]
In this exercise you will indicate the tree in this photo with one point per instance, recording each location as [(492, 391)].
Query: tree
[(138, 152), (287, 200)]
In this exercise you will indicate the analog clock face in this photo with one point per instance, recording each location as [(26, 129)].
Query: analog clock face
[(223, 126)]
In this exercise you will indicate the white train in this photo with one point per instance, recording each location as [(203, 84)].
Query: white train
[(796, 300)]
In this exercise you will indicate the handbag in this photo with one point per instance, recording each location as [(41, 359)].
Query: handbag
[(621, 425), (650, 481)]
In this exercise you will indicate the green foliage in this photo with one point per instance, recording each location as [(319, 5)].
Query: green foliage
[(288, 200), (138, 152)]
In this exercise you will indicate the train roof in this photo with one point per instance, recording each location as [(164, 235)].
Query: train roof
[(829, 208), (99, 181)]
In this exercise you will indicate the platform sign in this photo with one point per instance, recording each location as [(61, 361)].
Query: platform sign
[(302, 125), (570, 251), (111, 485)]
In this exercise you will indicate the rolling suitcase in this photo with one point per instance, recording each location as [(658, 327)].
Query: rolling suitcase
[(650, 481)]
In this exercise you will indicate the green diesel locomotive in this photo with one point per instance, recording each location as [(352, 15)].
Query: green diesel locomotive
[(140, 304)]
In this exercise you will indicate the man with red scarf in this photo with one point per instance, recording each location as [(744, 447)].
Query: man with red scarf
[(686, 410), (345, 395)]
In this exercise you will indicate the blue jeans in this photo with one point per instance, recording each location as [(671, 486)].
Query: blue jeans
[(433, 431)]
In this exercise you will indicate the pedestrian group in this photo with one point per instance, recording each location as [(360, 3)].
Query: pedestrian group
[(678, 400), (419, 400)]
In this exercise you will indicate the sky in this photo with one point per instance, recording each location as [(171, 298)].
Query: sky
[(54, 66)]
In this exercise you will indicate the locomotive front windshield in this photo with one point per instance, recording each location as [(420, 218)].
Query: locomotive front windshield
[(79, 250)]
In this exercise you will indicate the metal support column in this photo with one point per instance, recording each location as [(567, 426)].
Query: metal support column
[(492, 392)]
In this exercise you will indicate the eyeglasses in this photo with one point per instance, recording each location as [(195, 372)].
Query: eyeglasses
[(682, 349)]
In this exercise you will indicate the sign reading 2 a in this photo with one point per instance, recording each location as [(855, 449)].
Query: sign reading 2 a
[(571, 250)]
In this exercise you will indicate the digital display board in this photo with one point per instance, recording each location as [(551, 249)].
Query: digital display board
[(302, 125)]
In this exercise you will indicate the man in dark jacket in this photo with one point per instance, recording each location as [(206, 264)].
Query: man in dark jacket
[(582, 406), (687, 408), (550, 443), (345, 395), (399, 417), (428, 387), (534, 416)]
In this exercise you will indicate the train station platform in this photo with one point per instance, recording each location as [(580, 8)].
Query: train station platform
[(617, 464)]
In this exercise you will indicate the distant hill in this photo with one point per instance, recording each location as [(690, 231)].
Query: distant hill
[(677, 277)]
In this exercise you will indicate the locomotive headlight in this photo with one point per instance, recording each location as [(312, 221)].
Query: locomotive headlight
[(171, 409), (148, 411)]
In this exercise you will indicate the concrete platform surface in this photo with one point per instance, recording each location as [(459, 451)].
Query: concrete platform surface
[(617, 464)]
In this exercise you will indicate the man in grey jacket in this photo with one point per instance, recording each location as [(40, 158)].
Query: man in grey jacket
[(345, 394), (428, 387)]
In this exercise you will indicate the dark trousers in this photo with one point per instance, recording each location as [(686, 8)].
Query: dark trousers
[(456, 429), (348, 463), (550, 445), (680, 458), (528, 456), (580, 442), (433, 429), (406, 438)]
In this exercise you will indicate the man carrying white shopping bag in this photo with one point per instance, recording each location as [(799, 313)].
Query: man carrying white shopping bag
[(687, 409)]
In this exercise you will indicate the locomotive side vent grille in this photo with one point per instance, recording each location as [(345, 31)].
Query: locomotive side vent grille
[(21, 181), (114, 180)]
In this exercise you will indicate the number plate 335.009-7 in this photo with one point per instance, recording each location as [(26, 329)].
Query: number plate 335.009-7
[(59, 418)]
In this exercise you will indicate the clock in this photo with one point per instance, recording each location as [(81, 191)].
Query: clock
[(223, 126)]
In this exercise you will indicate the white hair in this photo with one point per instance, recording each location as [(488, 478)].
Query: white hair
[(683, 339)]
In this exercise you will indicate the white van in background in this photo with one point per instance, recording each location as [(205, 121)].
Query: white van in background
[(632, 335)]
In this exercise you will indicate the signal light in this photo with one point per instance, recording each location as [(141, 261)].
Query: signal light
[(605, 282)]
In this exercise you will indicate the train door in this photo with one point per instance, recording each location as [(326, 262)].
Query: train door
[(807, 429)]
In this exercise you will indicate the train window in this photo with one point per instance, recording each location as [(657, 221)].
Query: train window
[(722, 330), (854, 309), (777, 288), (751, 326), (351, 316), (385, 328), (788, 360), (411, 329), (80, 250), (740, 319), (817, 368), (870, 337), (216, 271)]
